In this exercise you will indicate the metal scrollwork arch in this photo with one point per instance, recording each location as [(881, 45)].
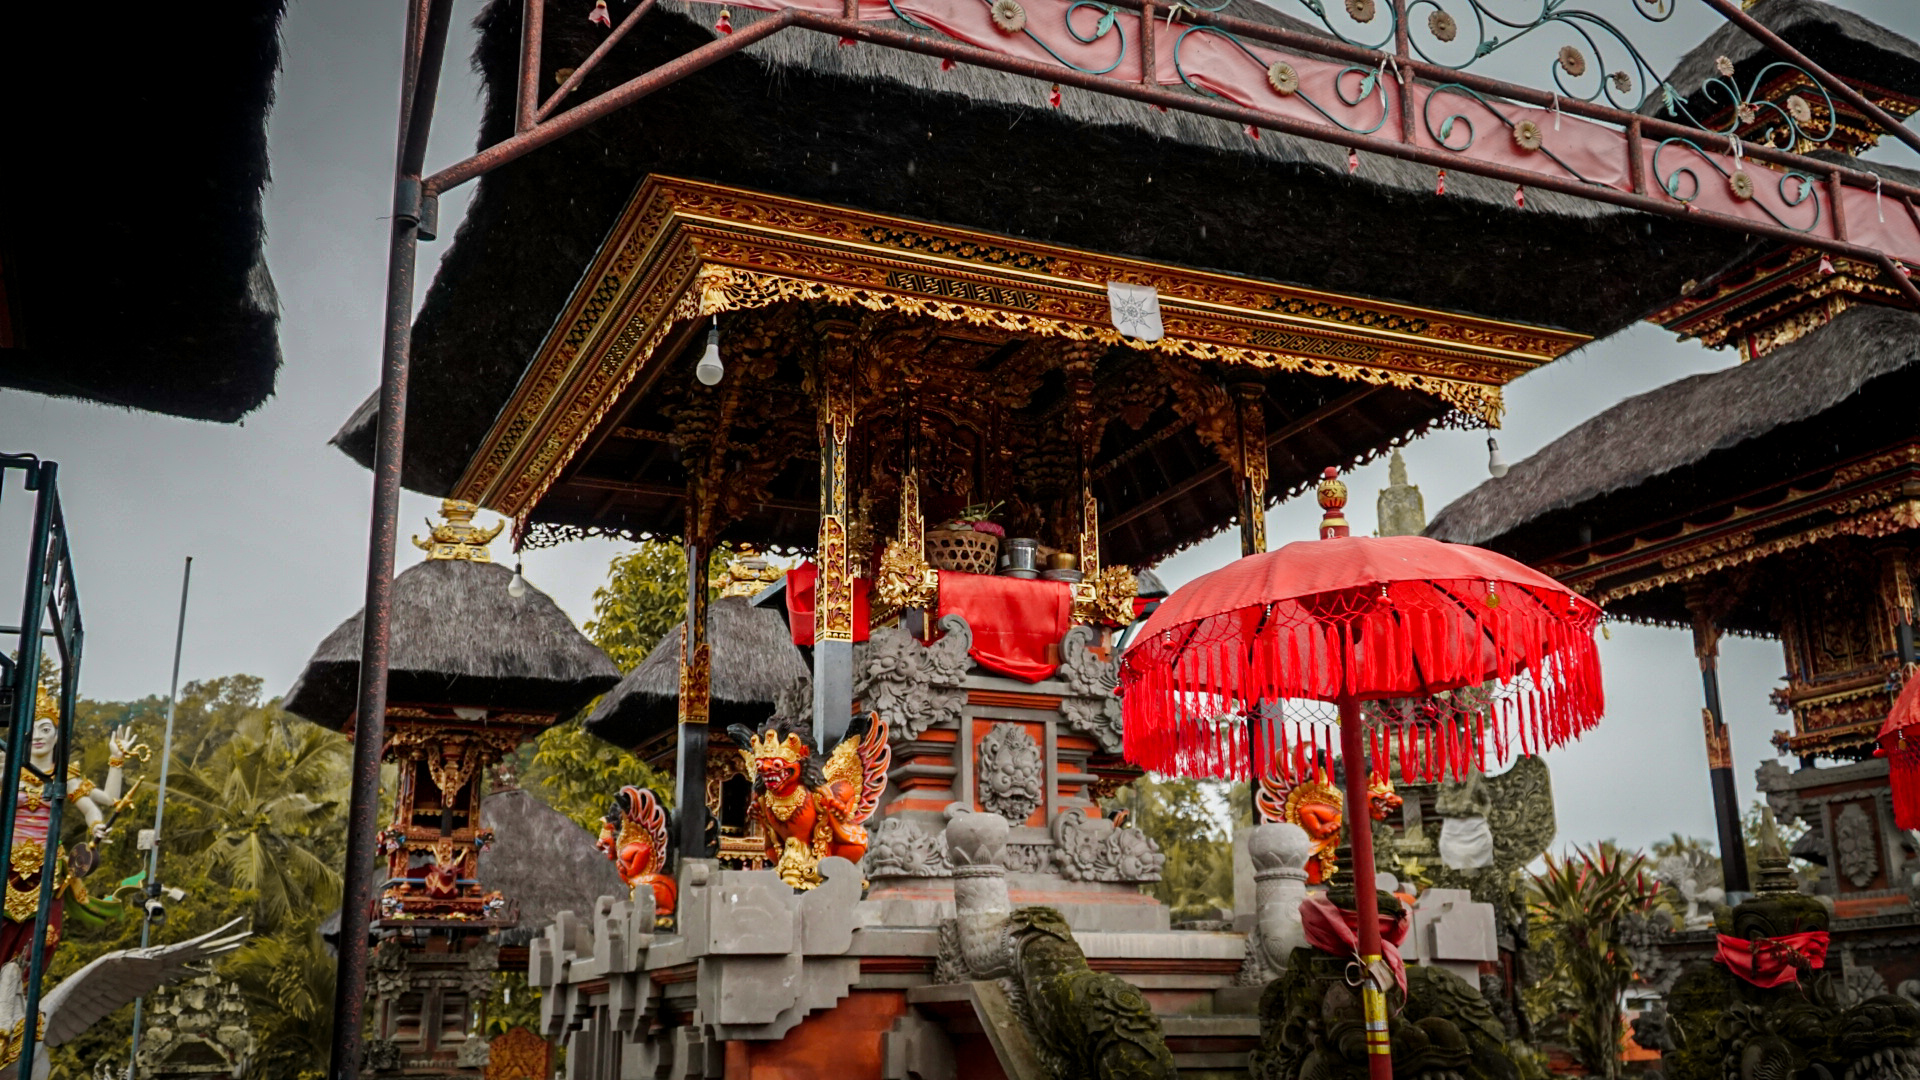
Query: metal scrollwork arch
[(1370, 83)]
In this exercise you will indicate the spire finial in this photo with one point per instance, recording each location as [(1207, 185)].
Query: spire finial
[(458, 537), (1333, 499)]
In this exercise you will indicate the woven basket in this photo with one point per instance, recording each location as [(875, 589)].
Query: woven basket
[(963, 550)]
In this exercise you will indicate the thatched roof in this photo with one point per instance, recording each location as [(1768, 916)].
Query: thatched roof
[(542, 861), (889, 132), (1852, 47), (460, 639), (132, 265), (754, 659), (1839, 390)]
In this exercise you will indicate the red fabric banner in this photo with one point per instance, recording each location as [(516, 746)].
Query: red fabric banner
[(1770, 961), (800, 581), (1014, 622), (1900, 745), (1335, 930)]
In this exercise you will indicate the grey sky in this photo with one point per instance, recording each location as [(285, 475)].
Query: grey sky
[(276, 519)]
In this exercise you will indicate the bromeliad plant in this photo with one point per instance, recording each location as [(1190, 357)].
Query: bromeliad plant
[(1579, 903)]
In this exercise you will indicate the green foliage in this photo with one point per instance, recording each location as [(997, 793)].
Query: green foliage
[(1183, 816), (577, 774), (511, 1004), (1576, 907)]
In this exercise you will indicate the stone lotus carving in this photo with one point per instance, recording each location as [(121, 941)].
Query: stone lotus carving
[(1093, 849), (900, 850), (1279, 852), (912, 686), (1009, 772), (1853, 843), (1090, 704)]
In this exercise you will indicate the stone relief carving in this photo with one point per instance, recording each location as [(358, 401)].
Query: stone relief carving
[(1009, 772), (900, 850), (912, 686), (1853, 843), (1090, 704), (795, 703), (1092, 849), (1029, 858), (1279, 854)]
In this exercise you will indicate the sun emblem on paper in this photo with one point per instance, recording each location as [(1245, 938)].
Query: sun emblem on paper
[(1135, 310)]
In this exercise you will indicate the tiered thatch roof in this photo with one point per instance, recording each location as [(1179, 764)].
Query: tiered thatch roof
[(459, 638), (754, 660), (888, 132), (132, 264)]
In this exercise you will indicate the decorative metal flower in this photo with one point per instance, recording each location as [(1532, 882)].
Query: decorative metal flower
[(1622, 82), (1798, 108), (1741, 184), (1527, 135), (1283, 78), (1724, 66), (1747, 113), (1361, 10), (1008, 16), (1573, 61), (1442, 25)]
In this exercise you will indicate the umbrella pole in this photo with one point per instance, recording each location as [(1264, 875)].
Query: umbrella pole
[(1366, 899)]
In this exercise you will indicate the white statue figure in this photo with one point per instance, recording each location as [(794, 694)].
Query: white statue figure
[(97, 990), (1695, 875)]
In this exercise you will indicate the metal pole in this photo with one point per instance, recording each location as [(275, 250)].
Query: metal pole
[(41, 477), (418, 87), (160, 803), (1366, 901)]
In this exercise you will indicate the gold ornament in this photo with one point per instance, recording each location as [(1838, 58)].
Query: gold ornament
[(770, 745), (1724, 66), (1622, 82), (1573, 61), (1114, 588), (748, 575), (1442, 25), (1361, 10), (904, 579), (457, 537), (1798, 108), (1008, 16), (1527, 135), (1283, 78)]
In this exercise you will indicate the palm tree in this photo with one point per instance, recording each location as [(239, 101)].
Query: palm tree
[(1579, 902), (248, 811), (287, 980)]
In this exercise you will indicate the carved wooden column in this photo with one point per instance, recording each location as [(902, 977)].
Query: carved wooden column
[(696, 668), (1726, 803), (833, 588), (1251, 467), (1896, 592), (1079, 371)]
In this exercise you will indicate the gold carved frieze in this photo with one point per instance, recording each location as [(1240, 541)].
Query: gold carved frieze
[(684, 249)]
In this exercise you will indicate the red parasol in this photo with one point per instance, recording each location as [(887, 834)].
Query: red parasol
[(1900, 743), (1345, 620)]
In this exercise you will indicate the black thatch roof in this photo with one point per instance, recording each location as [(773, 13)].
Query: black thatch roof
[(1842, 390), (132, 269), (543, 861), (459, 639), (754, 659), (889, 132), (1852, 47)]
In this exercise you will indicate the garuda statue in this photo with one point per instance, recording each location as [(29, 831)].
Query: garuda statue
[(634, 835), (1768, 1007), (1314, 804), (808, 811)]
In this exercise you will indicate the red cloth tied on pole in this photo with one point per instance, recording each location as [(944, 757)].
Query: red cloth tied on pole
[(800, 583), (1772, 961), (1015, 623), (1900, 744), (1333, 929)]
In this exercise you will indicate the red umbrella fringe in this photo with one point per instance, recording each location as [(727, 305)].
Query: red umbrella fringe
[(1188, 691)]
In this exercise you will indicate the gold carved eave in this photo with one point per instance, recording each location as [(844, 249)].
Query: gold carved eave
[(1874, 496), (684, 249)]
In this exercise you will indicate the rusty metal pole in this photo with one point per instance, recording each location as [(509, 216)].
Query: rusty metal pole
[(418, 87)]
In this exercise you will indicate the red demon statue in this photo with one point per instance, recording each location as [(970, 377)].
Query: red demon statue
[(634, 836), (808, 811)]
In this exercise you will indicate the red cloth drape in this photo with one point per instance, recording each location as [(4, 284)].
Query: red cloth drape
[(1771, 963), (800, 581), (1900, 744), (1014, 622), (1335, 930)]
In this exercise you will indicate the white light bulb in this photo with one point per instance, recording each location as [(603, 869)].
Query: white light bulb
[(1496, 461), (517, 587), (710, 370)]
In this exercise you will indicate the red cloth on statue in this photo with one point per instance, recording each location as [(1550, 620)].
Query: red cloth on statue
[(1335, 930), (800, 581), (1014, 622), (1772, 962)]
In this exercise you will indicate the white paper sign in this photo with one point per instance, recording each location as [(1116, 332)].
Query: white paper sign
[(1135, 310)]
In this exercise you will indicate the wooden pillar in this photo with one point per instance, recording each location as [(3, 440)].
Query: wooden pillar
[(1896, 590), (696, 690), (1726, 803), (833, 589), (1251, 468), (1079, 370)]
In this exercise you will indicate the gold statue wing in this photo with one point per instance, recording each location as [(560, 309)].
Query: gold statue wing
[(645, 814), (861, 762)]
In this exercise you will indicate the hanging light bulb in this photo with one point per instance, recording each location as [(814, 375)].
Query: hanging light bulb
[(1496, 461), (710, 370), (517, 587)]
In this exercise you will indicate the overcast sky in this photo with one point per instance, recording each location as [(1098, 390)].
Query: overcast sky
[(276, 520)]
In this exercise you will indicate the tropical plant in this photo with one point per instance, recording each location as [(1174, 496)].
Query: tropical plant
[(1577, 904), (1184, 817), (286, 979)]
